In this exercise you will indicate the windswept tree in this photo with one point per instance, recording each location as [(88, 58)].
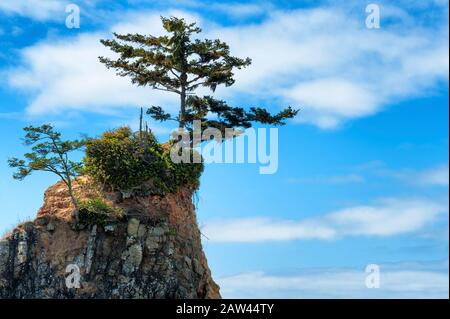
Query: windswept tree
[(180, 63), (48, 154)]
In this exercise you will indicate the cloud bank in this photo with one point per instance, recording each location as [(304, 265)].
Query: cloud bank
[(36, 9), (323, 59), (436, 176), (433, 176), (414, 280), (389, 217)]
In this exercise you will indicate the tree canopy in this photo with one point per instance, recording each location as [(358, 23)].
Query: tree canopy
[(179, 62), (49, 153)]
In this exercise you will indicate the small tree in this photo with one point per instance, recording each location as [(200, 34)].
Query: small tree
[(49, 154), (179, 64)]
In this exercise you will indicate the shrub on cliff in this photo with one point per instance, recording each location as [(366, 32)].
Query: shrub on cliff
[(49, 153), (97, 211), (126, 161)]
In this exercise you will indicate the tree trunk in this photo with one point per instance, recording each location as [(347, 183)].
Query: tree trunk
[(140, 125), (182, 108), (183, 82), (72, 197)]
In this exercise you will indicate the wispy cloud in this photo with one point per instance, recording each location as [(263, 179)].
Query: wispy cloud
[(388, 217), (333, 180), (325, 60), (433, 176), (403, 280), (314, 58), (66, 74), (35, 9), (237, 10)]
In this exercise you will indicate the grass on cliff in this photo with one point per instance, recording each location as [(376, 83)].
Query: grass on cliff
[(97, 211)]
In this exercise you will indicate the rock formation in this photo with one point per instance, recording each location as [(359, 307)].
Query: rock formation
[(153, 251)]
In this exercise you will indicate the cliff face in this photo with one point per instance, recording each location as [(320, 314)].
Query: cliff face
[(154, 251)]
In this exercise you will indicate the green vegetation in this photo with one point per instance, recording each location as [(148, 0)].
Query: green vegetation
[(172, 231), (49, 154), (96, 211), (179, 62), (125, 161)]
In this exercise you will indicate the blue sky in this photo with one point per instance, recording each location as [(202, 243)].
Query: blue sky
[(363, 170)]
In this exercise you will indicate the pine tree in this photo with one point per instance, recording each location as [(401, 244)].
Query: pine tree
[(180, 64), (48, 154)]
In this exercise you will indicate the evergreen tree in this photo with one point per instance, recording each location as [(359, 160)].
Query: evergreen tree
[(49, 154), (180, 64)]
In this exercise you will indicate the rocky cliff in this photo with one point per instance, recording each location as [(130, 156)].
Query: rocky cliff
[(153, 251)]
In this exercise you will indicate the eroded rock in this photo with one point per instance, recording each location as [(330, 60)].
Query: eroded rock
[(155, 255), (133, 227)]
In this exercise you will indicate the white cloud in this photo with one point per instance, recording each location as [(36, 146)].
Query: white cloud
[(334, 179), (435, 176), (149, 22), (68, 75), (416, 280), (323, 60), (35, 9), (238, 10), (343, 99), (265, 229), (327, 62), (389, 217)]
